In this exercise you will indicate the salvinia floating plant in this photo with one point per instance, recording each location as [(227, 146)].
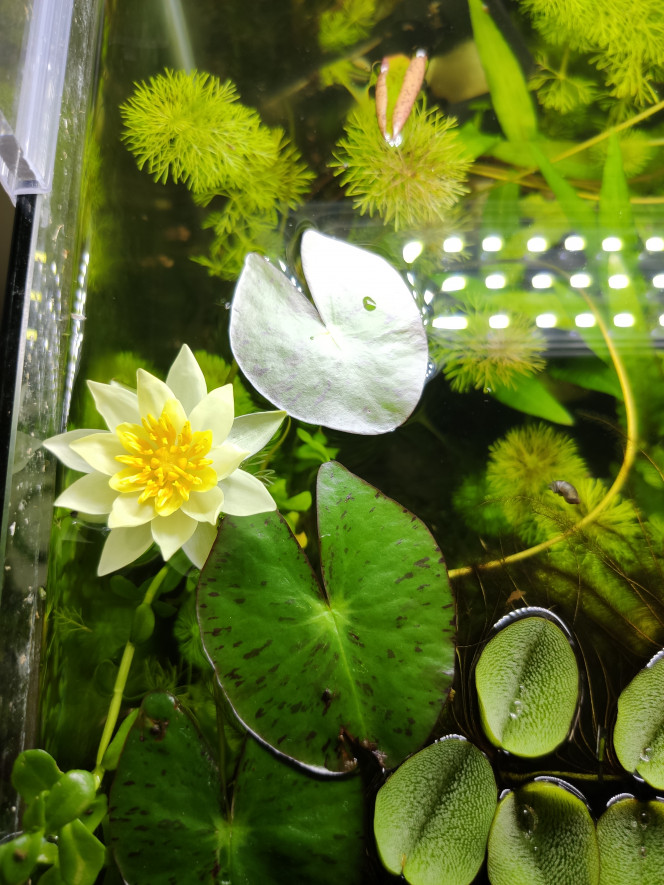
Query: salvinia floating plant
[(168, 465)]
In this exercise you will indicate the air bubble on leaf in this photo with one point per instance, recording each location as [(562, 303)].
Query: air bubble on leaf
[(644, 819), (516, 708), (527, 817), (645, 754)]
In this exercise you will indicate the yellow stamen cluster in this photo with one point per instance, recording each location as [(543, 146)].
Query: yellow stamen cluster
[(163, 464)]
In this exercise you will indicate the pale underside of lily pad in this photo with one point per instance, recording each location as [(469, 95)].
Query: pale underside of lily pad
[(354, 360)]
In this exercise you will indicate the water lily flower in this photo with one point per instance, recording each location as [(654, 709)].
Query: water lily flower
[(168, 465)]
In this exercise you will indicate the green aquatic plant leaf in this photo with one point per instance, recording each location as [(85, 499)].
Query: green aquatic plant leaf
[(543, 833), (510, 95), (638, 736), (355, 359), (168, 823), (370, 655), (533, 397), (527, 683), (630, 835), (433, 815)]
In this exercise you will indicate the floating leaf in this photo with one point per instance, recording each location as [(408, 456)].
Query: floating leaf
[(371, 655), (638, 736), (543, 833), (631, 842), (167, 822), (528, 682), (354, 360), (433, 815)]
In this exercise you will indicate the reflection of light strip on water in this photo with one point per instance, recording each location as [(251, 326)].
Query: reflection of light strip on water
[(453, 244), (542, 281), (537, 244), (618, 281), (412, 251), (580, 280), (492, 244), (457, 322), (499, 321), (546, 321), (623, 320), (495, 281), (584, 320), (453, 284), (612, 244), (655, 244), (574, 243), (658, 281)]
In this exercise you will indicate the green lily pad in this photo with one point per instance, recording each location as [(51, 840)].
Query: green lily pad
[(371, 655), (355, 359), (638, 736), (631, 842), (433, 815), (168, 823), (541, 834), (527, 682)]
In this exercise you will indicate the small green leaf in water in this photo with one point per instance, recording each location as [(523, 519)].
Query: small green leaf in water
[(368, 303), (527, 681), (543, 833), (638, 736), (433, 815), (631, 842)]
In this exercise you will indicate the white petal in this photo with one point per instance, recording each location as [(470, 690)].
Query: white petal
[(122, 547), (199, 545), (204, 506), (186, 379), (245, 495), (225, 459), (127, 512), (100, 450), (252, 432), (215, 413), (115, 404), (60, 446), (89, 494), (153, 394), (171, 532)]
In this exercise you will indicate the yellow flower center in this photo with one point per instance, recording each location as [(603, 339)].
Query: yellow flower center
[(162, 464)]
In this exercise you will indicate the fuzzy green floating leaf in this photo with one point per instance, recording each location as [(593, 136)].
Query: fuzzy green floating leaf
[(527, 682), (332, 362), (167, 822), (638, 736), (541, 834), (631, 842), (433, 815), (370, 655)]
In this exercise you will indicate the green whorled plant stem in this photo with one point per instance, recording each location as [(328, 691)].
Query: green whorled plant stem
[(629, 456), (121, 683)]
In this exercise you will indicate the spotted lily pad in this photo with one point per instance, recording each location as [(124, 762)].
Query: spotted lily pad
[(638, 736), (541, 834), (527, 682), (355, 359), (433, 815), (168, 823), (631, 842), (370, 654)]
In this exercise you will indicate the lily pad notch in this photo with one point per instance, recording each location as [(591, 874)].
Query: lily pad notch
[(353, 358)]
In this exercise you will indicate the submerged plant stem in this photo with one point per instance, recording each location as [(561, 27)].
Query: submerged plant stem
[(629, 456), (121, 683)]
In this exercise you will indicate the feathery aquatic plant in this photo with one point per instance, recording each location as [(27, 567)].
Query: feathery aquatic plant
[(521, 466), (625, 40), (482, 358), (411, 184)]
